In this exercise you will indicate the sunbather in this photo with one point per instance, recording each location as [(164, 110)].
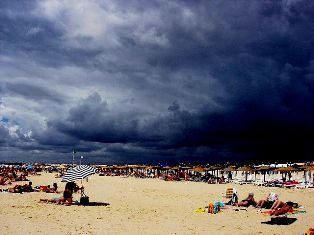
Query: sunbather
[(21, 188), (28, 187), (16, 189), (271, 199), (277, 205), (2, 180), (67, 198), (287, 207), (248, 201)]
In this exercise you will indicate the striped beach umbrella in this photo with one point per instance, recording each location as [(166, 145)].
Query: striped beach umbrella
[(78, 173)]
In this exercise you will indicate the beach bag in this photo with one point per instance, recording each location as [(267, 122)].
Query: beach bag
[(216, 207), (310, 231), (84, 200), (211, 208)]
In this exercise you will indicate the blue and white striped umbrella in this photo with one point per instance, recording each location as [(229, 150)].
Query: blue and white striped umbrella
[(78, 173)]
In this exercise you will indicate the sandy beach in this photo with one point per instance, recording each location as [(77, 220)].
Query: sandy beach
[(146, 206)]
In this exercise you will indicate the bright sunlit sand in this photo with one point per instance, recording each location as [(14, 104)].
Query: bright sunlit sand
[(146, 206)]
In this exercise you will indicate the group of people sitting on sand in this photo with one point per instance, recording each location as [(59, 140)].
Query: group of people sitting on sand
[(23, 188), (48, 188), (18, 188), (10, 174), (271, 202), (67, 197)]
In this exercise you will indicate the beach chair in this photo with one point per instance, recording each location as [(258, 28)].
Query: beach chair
[(303, 185), (259, 183), (229, 192), (237, 180), (290, 184), (246, 182)]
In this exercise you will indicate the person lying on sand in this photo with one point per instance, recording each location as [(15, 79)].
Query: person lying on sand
[(55, 188), (2, 180), (66, 199), (269, 202), (28, 187), (287, 207), (21, 188), (16, 189), (279, 204), (248, 201), (48, 189)]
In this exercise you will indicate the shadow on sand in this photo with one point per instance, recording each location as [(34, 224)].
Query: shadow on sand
[(280, 221)]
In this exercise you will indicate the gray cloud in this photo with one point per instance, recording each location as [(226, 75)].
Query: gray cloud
[(32, 92), (144, 81)]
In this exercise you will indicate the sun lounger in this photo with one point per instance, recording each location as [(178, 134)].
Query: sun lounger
[(246, 182), (259, 183), (303, 185), (290, 184), (230, 192)]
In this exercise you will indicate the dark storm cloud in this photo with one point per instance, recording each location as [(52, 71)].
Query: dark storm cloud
[(148, 81), (32, 92), (4, 134), (91, 121)]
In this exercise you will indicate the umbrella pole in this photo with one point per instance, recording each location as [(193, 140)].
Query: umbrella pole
[(73, 159)]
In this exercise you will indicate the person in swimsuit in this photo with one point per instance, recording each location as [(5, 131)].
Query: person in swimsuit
[(248, 201), (287, 207), (269, 202)]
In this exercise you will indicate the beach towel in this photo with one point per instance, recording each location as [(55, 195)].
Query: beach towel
[(216, 208), (200, 210), (293, 212)]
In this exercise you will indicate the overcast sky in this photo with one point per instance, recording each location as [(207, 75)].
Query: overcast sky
[(156, 81)]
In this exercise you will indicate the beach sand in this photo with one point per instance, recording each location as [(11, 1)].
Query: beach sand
[(146, 206)]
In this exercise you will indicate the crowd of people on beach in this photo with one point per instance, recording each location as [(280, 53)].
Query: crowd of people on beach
[(9, 174), (183, 175), (214, 175), (275, 206)]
